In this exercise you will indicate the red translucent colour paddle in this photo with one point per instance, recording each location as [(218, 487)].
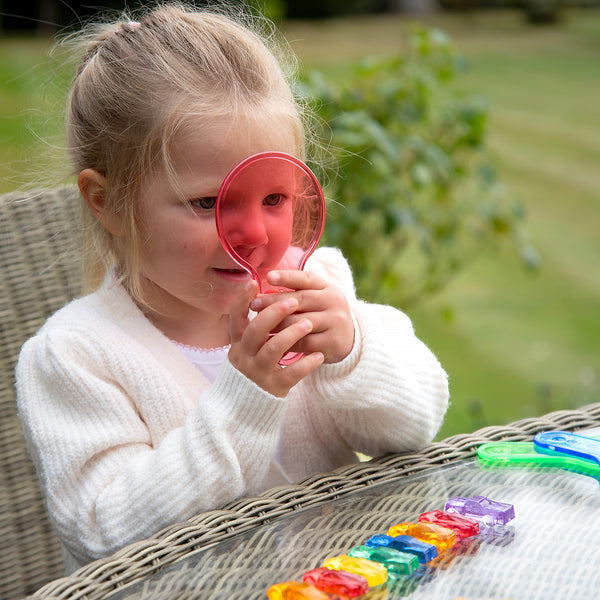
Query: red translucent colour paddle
[(270, 214)]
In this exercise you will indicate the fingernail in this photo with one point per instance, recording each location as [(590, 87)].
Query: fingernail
[(274, 277), (291, 303), (256, 304), (306, 324)]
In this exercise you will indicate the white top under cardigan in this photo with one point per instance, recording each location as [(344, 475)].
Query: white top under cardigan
[(128, 436), (209, 361)]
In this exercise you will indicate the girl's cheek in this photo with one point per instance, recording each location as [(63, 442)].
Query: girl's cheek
[(205, 245)]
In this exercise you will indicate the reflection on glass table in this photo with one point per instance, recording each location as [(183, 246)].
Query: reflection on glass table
[(549, 551)]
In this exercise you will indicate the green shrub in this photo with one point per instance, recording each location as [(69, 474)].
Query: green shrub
[(272, 9), (414, 196), (544, 11)]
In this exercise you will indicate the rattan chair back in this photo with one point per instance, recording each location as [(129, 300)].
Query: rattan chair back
[(39, 272)]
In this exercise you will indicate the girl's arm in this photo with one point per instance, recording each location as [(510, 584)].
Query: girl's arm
[(122, 451), (390, 393)]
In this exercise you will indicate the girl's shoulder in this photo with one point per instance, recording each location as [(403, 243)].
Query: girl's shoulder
[(91, 319), (94, 308)]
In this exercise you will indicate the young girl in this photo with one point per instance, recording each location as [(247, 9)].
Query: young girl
[(160, 395)]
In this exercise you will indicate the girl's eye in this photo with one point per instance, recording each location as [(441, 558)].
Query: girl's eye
[(207, 203), (273, 199)]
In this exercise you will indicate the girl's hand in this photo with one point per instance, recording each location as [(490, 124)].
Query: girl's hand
[(256, 352), (319, 301)]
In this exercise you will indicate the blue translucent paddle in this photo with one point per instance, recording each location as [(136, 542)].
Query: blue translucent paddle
[(567, 443)]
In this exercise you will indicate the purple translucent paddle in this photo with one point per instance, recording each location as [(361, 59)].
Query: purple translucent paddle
[(270, 214)]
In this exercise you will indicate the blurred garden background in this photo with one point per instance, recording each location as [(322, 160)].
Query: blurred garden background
[(462, 166)]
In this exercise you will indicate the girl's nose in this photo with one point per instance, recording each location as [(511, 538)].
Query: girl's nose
[(248, 232)]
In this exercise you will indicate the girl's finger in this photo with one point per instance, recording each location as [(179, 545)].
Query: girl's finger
[(308, 299), (318, 320), (298, 370), (281, 342), (259, 329), (314, 342), (238, 313), (296, 280)]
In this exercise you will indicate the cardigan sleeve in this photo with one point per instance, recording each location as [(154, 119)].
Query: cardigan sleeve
[(391, 393), (109, 478)]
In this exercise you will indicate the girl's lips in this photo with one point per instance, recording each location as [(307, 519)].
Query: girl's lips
[(232, 274)]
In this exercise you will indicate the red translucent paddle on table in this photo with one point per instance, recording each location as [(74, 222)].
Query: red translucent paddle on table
[(270, 214)]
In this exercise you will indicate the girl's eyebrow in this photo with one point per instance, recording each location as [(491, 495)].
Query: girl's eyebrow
[(199, 187), (203, 188)]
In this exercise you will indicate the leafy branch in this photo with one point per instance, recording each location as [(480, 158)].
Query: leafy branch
[(415, 196)]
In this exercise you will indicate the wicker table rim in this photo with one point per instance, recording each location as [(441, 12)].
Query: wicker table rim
[(142, 559)]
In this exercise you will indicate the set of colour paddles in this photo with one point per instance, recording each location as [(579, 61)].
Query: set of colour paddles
[(561, 449), (396, 554)]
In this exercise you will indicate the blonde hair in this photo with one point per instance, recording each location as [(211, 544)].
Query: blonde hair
[(138, 84)]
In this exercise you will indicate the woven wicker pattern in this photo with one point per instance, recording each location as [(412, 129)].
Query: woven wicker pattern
[(39, 273), (138, 561)]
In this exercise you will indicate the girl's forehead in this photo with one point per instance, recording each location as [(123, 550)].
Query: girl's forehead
[(219, 146)]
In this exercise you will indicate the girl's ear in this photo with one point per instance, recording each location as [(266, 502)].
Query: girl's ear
[(92, 186)]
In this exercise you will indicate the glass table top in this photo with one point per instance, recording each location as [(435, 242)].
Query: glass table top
[(549, 551)]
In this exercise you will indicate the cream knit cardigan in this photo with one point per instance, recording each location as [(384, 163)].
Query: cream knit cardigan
[(128, 437)]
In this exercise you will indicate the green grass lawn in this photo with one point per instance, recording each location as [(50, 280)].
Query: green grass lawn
[(515, 344), (538, 337), (30, 86)]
